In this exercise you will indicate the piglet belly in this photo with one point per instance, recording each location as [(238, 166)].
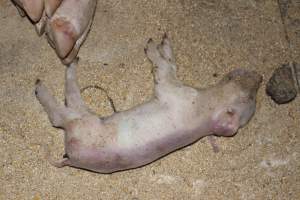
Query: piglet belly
[(143, 152)]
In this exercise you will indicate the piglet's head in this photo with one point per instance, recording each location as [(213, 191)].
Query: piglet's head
[(235, 101)]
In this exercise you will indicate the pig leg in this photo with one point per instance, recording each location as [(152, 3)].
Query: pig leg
[(58, 114), (213, 143), (166, 82), (166, 70), (73, 96)]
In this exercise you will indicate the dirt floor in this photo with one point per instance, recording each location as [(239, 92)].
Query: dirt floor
[(209, 38)]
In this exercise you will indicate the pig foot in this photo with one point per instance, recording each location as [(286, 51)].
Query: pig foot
[(165, 78), (75, 108), (161, 56), (58, 114), (165, 49), (60, 163)]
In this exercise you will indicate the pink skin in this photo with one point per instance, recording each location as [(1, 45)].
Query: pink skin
[(65, 22), (69, 26), (33, 8), (36, 8), (176, 116)]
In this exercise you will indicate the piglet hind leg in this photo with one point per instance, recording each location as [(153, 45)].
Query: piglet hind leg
[(72, 91), (55, 112), (58, 114)]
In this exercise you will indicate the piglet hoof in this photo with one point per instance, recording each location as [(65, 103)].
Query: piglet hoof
[(165, 39), (37, 83), (165, 35), (213, 143), (151, 50), (165, 49), (149, 42)]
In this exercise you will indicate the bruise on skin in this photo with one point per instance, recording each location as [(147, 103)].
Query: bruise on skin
[(61, 24), (64, 36)]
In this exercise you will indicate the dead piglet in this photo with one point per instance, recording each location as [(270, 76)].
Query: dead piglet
[(175, 117), (68, 27)]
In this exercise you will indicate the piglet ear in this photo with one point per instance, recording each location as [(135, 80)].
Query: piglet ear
[(225, 122)]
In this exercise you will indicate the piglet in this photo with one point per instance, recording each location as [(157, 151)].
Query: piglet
[(66, 23), (176, 116)]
